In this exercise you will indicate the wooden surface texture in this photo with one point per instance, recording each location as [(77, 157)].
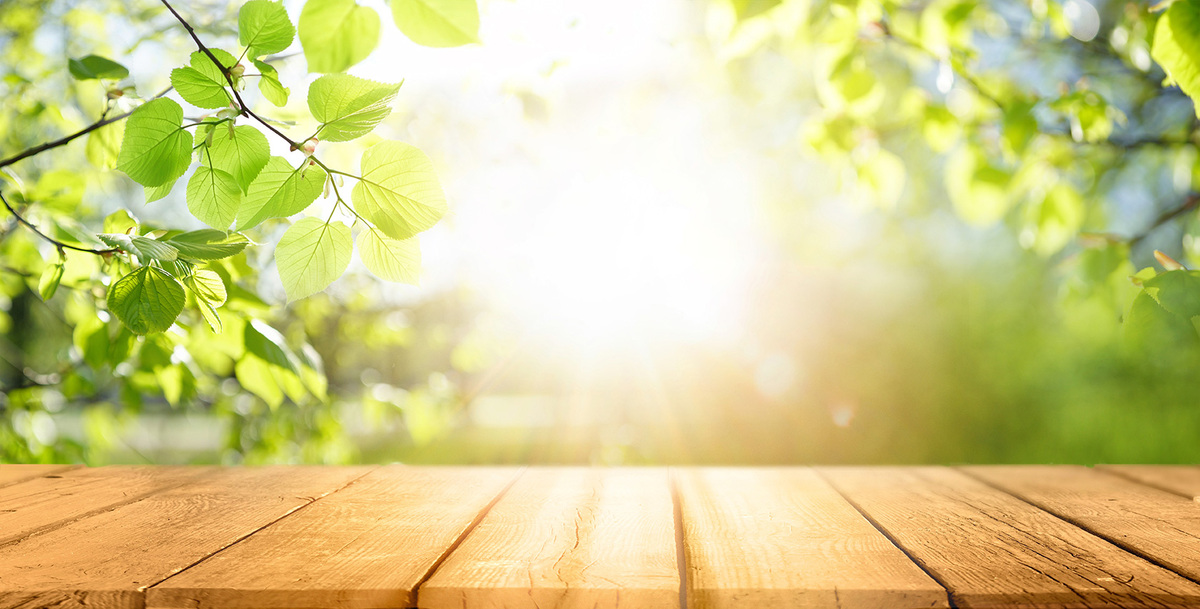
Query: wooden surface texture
[(393, 537)]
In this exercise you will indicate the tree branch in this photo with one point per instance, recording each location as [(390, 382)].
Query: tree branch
[(62, 141), (59, 244), (1188, 204)]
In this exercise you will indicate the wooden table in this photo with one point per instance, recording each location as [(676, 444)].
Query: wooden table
[(401, 536)]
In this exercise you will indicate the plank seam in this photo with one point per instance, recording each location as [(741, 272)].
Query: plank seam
[(256, 530), (883, 531), (53, 472), (463, 537), (1122, 475), (58, 524), (680, 549), (1079, 525)]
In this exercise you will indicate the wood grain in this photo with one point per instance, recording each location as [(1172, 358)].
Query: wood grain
[(781, 537), (1179, 479), (1152, 523), (991, 549), (106, 561), (20, 472), (567, 538), (367, 546), (43, 502)]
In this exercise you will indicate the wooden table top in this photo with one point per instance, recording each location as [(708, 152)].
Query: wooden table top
[(404, 536)]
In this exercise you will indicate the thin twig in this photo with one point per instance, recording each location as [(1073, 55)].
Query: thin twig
[(59, 244), (1188, 204), (67, 139)]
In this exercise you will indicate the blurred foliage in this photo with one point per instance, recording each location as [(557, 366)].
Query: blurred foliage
[(983, 225)]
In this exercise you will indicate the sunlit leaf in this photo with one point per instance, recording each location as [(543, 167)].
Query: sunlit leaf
[(311, 255), (337, 34), (438, 23), (203, 83), (142, 247), (399, 191), (280, 190), (242, 153), (147, 300), (156, 150), (269, 85), (264, 26), (213, 197), (210, 294), (390, 259), (104, 144), (347, 106), (51, 277), (1176, 46)]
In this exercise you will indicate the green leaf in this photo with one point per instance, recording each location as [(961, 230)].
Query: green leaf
[(51, 277), (257, 377), (95, 67), (390, 259), (104, 144), (438, 23), (242, 153), (210, 294), (213, 196), (1176, 46), (745, 9), (142, 247), (147, 300), (279, 191), (337, 34), (154, 193), (156, 149), (264, 25), (399, 191), (120, 221), (348, 106), (311, 255), (1177, 292), (269, 85), (208, 244), (203, 84)]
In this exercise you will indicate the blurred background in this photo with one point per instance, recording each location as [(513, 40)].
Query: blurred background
[(662, 249)]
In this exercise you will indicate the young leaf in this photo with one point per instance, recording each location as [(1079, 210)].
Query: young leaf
[(390, 259), (1176, 46), (142, 247), (438, 23), (104, 144), (147, 300), (208, 244), (210, 294), (94, 67), (242, 153), (156, 149), (120, 221), (264, 25), (280, 190), (269, 85), (348, 106), (203, 84), (399, 191), (311, 255), (51, 277), (337, 34), (213, 196)]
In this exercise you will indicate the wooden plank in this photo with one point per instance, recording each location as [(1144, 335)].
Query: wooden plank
[(1179, 479), (20, 472), (566, 538), (991, 549), (368, 545), (1161, 526), (107, 560), (781, 537), (49, 501)]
